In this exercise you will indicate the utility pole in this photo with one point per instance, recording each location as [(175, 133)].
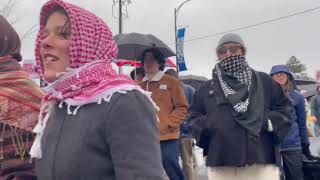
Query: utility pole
[(176, 37), (120, 27), (120, 16), (123, 13)]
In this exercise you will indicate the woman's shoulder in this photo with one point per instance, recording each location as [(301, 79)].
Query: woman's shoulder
[(130, 105), (130, 99), (297, 96)]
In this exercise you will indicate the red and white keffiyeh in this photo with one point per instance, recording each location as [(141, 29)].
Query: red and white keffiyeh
[(90, 78)]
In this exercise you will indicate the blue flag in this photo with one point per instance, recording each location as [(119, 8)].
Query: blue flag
[(180, 55)]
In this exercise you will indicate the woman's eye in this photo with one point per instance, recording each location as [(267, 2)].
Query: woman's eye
[(64, 35)]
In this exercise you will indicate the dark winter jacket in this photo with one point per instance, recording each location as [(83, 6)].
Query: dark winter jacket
[(224, 141), (116, 140), (298, 131)]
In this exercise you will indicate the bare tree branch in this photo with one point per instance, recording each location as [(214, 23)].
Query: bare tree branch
[(29, 32), (7, 9)]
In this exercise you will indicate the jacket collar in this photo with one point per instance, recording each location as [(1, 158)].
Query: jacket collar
[(156, 77)]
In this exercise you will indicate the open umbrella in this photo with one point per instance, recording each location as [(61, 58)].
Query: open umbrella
[(132, 45)]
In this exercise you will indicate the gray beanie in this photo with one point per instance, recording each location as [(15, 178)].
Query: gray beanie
[(231, 38)]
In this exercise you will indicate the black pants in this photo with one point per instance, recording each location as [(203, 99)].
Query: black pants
[(292, 165)]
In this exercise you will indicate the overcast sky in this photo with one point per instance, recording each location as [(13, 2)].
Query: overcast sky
[(268, 44)]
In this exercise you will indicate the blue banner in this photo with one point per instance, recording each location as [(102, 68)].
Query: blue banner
[(180, 55)]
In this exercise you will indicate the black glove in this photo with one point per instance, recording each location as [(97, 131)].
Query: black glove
[(306, 151)]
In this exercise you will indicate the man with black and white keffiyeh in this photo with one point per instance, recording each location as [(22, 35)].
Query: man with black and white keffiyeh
[(239, 116)]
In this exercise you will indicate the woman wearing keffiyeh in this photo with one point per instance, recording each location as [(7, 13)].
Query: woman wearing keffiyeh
[(239, 116), (96, 124), (20, 100)]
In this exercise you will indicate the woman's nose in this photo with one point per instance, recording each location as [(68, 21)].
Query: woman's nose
[(47, 42)]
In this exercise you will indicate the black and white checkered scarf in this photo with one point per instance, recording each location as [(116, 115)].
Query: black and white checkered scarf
[(234, 75), (238, 67), (242, 88), (240, 85)]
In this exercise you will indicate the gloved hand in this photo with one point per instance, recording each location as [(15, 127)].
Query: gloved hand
[(306, 151)]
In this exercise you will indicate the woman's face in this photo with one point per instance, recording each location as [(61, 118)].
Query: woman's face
[(281, 78), (55, 45)]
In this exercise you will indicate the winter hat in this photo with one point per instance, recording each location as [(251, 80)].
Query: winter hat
[(231, 38), (280, 68)]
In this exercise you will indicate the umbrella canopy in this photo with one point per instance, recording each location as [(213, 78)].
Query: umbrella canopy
[(132, 45)]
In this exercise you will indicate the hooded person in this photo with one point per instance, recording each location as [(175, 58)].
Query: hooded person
[(296, 143), (239, 117), (95, 124), (20, 100)]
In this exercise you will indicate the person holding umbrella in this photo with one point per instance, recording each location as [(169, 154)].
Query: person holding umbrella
[(169, 97), (94, 123)]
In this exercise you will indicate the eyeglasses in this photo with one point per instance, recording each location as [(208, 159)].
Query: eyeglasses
[(232, 49)]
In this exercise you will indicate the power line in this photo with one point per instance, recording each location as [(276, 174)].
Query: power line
[(254, 25)]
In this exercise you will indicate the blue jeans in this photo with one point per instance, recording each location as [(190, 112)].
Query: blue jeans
[(170, 159)]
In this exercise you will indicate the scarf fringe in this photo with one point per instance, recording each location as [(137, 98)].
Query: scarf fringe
[(36, 151), (19, 138)]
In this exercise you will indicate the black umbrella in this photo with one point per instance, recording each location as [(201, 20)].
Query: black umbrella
[(132, 45)]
